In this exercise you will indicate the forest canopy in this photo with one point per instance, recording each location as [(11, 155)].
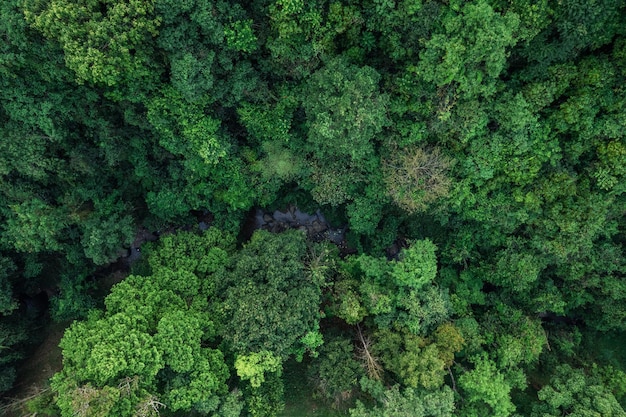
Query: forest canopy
[(417, 206)]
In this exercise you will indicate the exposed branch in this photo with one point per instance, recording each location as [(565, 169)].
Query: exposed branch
[(17, 402), (373, 367), (416, 177), (149, 407), (453, 380)]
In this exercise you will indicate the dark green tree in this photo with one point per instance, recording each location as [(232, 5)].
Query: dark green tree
[(269, 301)]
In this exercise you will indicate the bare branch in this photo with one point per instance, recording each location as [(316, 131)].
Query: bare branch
[(372, 365), (149, 407), (416, 177)]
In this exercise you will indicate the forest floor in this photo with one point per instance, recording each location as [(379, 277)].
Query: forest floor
[(45, 360), (34, 374), (299, 400)]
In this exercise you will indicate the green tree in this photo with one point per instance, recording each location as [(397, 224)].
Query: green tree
[(396, 29), (417, 265), (104, 42), (576, 393), (13, 335), (486, 390), (7, 301), (206, 48), (346, 112), (184, 129), (267, 399), (471, 51), (575, 26), (149, 346), (395, 402), (301, 34), (34, 226), (269, 303), (336, 371), (398, 293), (107, 230)]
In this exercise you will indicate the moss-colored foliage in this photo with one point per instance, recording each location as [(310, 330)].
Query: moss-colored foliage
[(419, 362), (416, 177)]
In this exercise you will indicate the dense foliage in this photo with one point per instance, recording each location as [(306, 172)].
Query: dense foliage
[(474, 153)]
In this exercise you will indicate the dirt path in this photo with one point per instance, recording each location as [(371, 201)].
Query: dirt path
[(43, 362)]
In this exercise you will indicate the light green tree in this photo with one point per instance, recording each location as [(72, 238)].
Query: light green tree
[(149, 346), (104, 41), (252, 367), (487, 392)]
